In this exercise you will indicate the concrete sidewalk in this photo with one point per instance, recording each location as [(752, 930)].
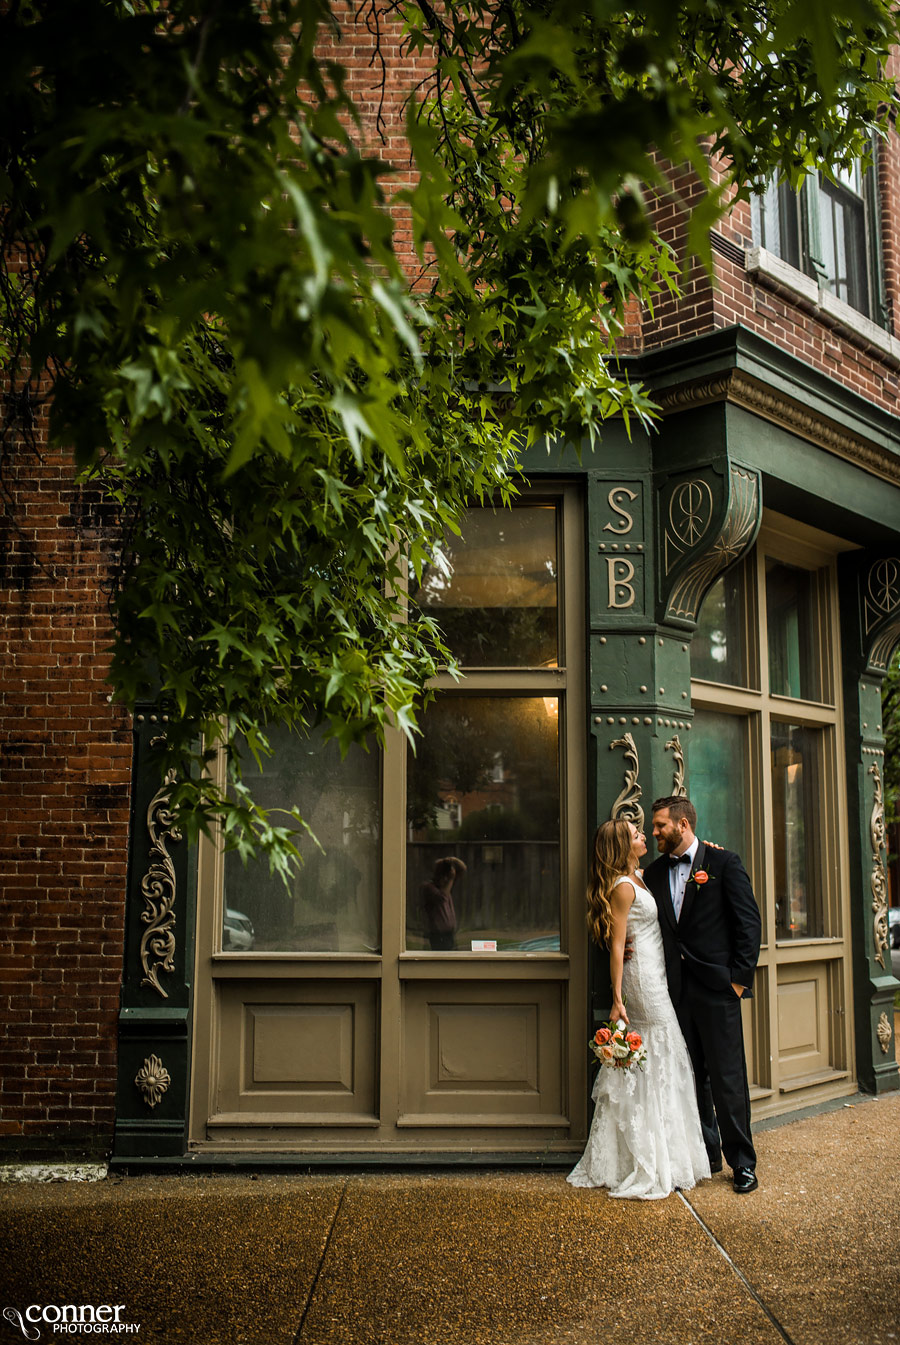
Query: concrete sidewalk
[(813, 1257)]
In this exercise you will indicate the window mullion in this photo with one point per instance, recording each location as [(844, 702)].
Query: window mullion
[(812, 228)]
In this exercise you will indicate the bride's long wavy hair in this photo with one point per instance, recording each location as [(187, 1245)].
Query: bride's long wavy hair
[(614, 854)]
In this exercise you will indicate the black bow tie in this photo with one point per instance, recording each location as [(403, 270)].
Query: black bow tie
[(675, 860)]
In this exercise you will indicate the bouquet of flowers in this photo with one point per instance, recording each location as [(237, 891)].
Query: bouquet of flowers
[(613, 1044)]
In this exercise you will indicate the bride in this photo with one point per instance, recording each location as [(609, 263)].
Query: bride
[(645, 1138)]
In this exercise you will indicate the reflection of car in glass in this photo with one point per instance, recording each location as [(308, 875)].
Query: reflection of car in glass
[(548, 944), (238, 935), (894, 922)]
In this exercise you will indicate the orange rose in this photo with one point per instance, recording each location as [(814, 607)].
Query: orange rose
[(634, 1040), (701, 877), (602, 1036)]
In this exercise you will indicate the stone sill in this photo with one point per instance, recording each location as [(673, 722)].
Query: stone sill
[(797, 287)]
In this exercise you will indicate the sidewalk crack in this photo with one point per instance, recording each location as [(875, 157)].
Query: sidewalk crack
[(785, 1335), (312, 1288)]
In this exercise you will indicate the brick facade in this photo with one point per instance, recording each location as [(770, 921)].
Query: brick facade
[(65, 751), (65, 771), (733, 296)]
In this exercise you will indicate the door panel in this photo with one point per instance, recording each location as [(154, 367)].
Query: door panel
[(483, 1054), (303, 1050), (805, 1041)]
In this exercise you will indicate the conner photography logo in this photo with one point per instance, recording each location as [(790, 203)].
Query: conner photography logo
[(73, 1319)]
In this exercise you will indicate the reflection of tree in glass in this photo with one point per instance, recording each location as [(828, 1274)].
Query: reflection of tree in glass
[(494, 590), (789, 615), (714, 619), (717, 765), (496, 756), (793, 803), (492, 765), (717, 649), (340, 800)]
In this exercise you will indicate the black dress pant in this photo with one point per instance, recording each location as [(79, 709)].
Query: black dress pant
[(711, 1023)]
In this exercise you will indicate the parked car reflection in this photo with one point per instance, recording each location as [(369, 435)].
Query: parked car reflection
[(548, 944), (238, 935)]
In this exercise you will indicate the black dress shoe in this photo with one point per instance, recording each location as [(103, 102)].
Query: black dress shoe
[(744, 1180), (715, 1165)]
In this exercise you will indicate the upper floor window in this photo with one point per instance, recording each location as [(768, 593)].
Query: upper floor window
[(827, 230)]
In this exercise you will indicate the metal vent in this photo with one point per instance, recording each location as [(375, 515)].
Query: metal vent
[(724, 246)]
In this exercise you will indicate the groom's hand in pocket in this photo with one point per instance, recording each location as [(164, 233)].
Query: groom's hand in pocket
[(738, 989)]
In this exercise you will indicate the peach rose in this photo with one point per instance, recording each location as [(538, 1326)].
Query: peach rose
[(701, 877), (607, 1053)]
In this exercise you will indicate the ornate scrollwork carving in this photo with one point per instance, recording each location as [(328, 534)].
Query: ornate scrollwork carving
[(158, 890), (679, 789), (883, 1032), (153, 1080), (880, 592), (878, 877), (735, 535), (628, 803)]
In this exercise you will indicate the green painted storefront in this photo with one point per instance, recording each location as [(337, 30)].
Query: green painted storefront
[(725, 601)]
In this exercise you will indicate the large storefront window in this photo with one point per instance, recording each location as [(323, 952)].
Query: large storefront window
[(719, 776), (333, 903), (483, 791), (795, 843), (790, 610), (762, 763), (496, 598), (719, 652)]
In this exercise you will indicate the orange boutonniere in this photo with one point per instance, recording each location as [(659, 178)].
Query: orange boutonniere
[(700, 877)]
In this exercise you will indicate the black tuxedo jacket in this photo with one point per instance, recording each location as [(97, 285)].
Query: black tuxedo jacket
[(718, 935)]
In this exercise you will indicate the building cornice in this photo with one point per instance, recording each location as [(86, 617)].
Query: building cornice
[(739, 389)]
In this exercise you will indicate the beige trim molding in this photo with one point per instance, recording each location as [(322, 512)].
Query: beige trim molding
[(762, 400)]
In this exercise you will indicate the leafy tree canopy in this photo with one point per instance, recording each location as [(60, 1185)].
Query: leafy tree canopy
[(200, 272)]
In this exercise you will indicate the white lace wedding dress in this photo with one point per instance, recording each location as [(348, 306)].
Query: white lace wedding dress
[(645, 1138)]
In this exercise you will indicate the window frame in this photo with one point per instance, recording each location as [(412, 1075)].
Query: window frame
[(567, 683), (784, 961), (799, 242)]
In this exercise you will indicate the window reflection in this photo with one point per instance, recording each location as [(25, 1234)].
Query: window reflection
[(842, 220), (796, 814), (483, 792), (789, 604), (496, 599), (718, 649), (718, 750), (333, 904)]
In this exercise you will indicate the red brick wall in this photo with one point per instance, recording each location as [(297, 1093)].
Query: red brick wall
[(732, 296), (65, 752), (65, 758)]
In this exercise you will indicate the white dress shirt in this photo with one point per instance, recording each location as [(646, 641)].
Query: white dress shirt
[(679, 874)]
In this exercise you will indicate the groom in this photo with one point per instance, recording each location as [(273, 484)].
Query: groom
[(711, 935)]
